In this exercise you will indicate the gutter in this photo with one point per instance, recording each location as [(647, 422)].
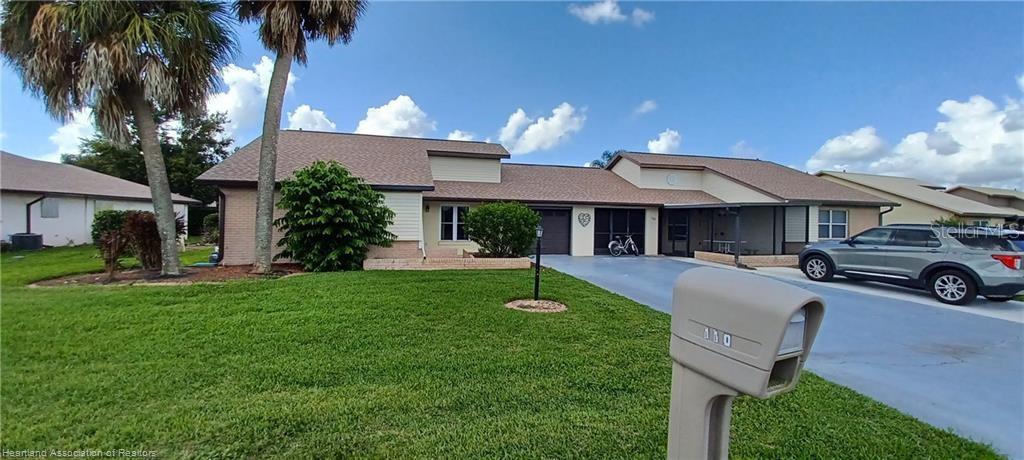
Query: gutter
[(28, 213), (883, 213)]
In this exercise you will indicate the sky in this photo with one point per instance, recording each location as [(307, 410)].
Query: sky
[(927, 90)]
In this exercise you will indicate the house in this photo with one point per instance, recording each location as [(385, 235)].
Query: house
[(1011, 201), (671, 204), (920, 203), (58, 201)]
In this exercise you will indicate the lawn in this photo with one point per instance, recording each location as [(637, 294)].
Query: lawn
[(380, 364)]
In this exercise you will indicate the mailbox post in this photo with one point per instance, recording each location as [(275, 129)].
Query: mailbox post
[(732, 333)]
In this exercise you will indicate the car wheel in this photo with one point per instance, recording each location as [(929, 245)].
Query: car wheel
[(817, 268), (999, 298), (953, 287)]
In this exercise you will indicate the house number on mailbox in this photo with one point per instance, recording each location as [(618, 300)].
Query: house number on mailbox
[(714, 335)]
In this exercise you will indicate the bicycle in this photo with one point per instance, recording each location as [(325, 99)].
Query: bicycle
[(617, 247)]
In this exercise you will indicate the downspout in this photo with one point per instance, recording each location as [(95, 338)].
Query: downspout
[(884, 212), (222, 214), (28, 213)]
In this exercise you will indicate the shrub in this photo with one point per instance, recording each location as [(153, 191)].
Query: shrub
[(142, 234), (331, 218), (108, 235), (503, 229), (211, 228)]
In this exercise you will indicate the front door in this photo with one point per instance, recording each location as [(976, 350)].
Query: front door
[(677, 232)]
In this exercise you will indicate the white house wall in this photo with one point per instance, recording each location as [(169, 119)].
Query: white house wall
[(75, 216), (582, 238), (731, 191), (465, 169)]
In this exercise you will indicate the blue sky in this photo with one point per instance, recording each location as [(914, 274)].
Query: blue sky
[(813, 85)]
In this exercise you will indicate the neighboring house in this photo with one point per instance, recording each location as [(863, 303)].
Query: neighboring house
[(1011, 201), (671, 204), (920, 203), (58, 201)]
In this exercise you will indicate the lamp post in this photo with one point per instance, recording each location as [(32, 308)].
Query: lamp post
[(536, 273)]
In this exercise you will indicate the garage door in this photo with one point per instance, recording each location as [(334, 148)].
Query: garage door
[(612, 222), (556, 230)]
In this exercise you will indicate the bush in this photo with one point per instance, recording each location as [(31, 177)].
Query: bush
[(503, 229), (331, 218), (108, 235), (211, 228), (143, 236)]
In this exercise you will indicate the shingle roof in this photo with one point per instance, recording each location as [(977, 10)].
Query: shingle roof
[(766, 176), (564, 184), (383, 161), (991, 191), (916, 190), (22, 174)]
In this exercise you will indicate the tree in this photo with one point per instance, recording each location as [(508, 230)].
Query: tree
[(188, 150), (605, 158), (125, 60), (331, 218), (503, 229), (285, 27)]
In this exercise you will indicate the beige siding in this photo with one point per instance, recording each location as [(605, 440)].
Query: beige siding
[(731, 191), (909, 211), (672, 179), (629, 171), (465, 169), (859, 218), (651, 231), (408, 222), (240, 226), (582, 237), (432, 232)]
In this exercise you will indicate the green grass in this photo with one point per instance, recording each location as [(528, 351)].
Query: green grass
[(381, 364)]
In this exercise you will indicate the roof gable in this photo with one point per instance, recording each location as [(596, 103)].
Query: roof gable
[(764, 176), (921, 192), (21, 174), (382, 161)]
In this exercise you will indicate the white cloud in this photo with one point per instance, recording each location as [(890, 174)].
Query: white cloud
[(862, 145), (646, 106), (522, 134), (460, 135), (667, 142), (742, 149), (245, 98), (641, 16), (67, 138), (978, 143), (308, 118), (607, 12), (399, 117)]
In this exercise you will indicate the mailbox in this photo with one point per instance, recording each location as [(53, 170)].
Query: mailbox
[(732, 333)]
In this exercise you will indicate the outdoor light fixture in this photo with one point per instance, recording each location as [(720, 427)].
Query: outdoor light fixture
[(536, 264)]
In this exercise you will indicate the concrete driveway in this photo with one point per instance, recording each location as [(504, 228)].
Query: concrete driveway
[(950, 367)]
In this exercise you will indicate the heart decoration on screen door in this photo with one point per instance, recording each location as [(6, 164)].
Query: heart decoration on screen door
[(584, 218)]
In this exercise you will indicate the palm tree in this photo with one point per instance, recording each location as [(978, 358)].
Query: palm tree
[(125, 60), (285, 27)]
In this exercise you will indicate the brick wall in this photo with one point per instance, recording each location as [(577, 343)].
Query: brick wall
[(240, 231)]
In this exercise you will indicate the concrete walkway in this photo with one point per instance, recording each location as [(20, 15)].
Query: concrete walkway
[(950, 367)]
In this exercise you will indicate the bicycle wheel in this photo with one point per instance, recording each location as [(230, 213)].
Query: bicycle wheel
[(634, 249), (615, 248)]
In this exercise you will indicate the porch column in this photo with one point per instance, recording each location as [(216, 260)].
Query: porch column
[(737, 246)]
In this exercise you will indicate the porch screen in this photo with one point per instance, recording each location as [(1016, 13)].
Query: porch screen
[(610, 222)]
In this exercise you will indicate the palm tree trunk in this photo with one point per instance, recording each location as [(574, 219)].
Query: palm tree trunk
[(268, 163), (159, 186)]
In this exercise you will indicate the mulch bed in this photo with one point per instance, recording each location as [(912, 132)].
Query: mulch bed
[(189, 275), (537, 306)]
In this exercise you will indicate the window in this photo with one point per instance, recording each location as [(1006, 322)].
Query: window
[(49, 208), (452, 226), (831, 224), (875, 236), (980, 223), (976, 240), (916, 238)]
